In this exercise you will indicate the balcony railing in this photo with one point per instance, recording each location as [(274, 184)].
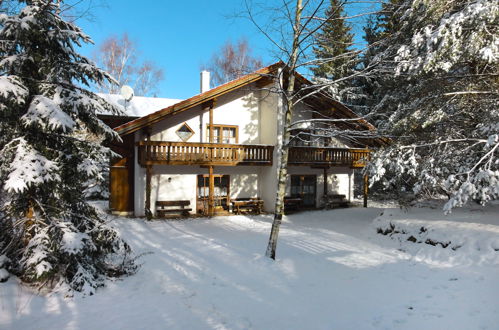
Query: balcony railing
[(317, 156), (186, 153)]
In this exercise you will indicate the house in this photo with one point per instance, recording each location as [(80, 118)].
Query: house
[(221, 145)]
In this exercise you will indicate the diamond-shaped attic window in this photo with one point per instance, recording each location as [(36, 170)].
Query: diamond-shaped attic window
[(185, 132)]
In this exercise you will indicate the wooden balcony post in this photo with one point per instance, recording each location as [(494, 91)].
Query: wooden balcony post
[(142, 154), (366, 187), (211, 192), (325, 181)]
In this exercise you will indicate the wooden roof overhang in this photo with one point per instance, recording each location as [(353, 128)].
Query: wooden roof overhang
[(327, 107), (212, 94)]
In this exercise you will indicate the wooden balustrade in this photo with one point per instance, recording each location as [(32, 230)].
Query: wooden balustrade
[(317, 156), (186, 153)]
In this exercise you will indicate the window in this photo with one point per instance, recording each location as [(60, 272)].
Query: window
[(304, 187), (185, 132), (224, 134)]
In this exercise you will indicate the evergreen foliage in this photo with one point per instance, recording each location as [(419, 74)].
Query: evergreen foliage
[(49, 234), (333, 44), (434, 90), (336, 63)]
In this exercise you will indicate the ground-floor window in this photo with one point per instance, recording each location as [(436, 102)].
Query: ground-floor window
[(304, 187), (221, 192)]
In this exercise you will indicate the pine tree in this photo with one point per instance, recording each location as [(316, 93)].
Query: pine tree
[(49, 234), (436, 86), (333, 45)]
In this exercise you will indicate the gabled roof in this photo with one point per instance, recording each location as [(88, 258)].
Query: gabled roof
[(320, 98), (138, 106), (154, 117)]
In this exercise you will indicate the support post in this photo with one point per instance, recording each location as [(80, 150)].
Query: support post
[(366, 188), (325, 182), (148, 192), (211, 192)]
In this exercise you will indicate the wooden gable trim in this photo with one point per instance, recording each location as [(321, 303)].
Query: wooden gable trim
[(154, 117)]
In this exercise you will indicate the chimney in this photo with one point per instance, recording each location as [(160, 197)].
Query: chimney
[(205, 81)]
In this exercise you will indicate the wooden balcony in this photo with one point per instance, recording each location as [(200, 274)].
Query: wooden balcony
[(185, 153), (317, 156)]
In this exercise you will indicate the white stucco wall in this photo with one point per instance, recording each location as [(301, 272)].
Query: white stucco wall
[(240, 108), (271, 133), (269, 105), (165, 130), (139, 183)]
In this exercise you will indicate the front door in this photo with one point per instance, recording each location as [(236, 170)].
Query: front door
[(119, 186), (304, 187), (221, 192)]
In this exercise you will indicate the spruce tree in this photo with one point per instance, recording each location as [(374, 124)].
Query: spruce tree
[(333, 44), (49, 234), (337, 63), (379, 31)]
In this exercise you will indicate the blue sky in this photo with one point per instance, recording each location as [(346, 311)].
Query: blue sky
[(177, 35)]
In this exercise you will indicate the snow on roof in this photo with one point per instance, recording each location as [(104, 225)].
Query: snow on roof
[(139, 106)]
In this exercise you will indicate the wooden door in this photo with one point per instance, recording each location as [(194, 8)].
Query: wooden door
[(119, 186), (304, 187)]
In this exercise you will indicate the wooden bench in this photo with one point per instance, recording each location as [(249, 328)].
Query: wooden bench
[(292, 203), (164, 208), (247, 205), (335, 200)]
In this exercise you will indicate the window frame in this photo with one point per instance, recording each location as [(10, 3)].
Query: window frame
[(192, 131), (220, 136)]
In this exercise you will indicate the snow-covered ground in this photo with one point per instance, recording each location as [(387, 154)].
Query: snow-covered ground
[(333, 272)]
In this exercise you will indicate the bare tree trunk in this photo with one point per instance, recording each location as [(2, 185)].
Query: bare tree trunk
[(289, 85)]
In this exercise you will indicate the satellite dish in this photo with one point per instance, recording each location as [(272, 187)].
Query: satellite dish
[(127, 92)]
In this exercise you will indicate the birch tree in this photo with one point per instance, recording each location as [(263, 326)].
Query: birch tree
[(288, 78), (119, 57), (232, 61), (294, 47)]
